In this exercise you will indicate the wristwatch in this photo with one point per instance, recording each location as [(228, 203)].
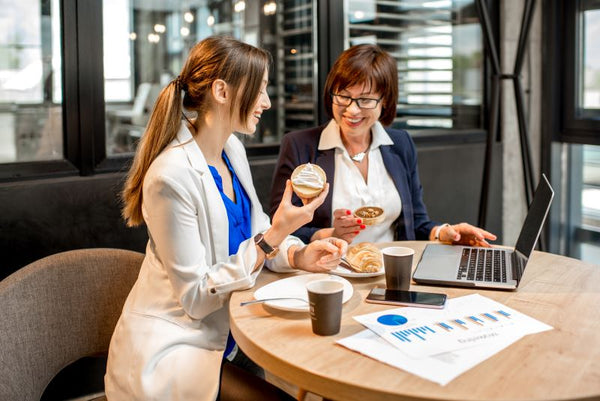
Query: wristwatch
[(270, 252)]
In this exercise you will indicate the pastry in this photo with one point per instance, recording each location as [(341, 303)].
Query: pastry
[(370, 215), (308, 180), (365, 256)]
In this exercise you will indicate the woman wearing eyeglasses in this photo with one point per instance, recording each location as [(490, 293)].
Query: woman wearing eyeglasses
[(365, 163)]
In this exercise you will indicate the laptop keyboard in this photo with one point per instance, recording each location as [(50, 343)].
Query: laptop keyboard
[(478, 264)]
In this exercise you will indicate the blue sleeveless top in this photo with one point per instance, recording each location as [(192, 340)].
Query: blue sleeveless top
[(238, 215)]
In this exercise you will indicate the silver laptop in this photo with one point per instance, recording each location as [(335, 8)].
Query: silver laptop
[(487, 267)]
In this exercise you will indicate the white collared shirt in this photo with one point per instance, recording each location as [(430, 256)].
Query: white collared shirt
[(350, 191)]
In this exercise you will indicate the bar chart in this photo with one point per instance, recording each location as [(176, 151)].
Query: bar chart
[(466, 323), (423, 333)]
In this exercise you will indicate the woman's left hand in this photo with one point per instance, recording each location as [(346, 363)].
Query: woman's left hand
[(465, 234), (320, 255)]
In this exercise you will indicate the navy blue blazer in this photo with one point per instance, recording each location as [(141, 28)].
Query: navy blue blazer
[(400, 160)]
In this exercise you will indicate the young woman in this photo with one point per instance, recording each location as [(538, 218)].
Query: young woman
[(190, 182)]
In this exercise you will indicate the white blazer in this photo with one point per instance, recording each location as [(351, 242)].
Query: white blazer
[(169, 341)]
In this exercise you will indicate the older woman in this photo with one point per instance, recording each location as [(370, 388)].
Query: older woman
[(365, 163)]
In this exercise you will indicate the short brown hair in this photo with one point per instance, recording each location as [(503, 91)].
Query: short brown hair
[(370, 65)]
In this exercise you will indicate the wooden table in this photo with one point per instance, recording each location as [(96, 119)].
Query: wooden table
[(559, 364)]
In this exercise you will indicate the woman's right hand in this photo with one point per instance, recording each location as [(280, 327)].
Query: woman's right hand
[(320, 255), (288, 217)]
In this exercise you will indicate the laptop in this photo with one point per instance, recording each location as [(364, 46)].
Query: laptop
[(467, 266)]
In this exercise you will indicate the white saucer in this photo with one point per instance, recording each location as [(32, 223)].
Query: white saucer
[(296, 287)]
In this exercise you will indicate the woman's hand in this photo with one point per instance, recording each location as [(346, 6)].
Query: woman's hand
[(465, 234), (345, 225), (288, 218), (320, 255)]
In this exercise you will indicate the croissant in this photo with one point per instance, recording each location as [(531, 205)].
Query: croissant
[(366, 257)]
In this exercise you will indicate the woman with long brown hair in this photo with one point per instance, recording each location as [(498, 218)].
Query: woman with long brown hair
[(190, 183)]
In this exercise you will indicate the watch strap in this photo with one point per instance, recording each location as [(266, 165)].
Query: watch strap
[(269, 251)]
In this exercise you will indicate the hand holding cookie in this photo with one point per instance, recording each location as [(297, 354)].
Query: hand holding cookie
[(288, 217), (345, 225)]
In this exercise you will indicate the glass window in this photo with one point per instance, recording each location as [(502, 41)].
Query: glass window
[(590, 62), (438, 46), (30, 81), (579, 63), (589, 71), (146, 44), (297, 66), (590, 198), (583, 233), (587, 220)]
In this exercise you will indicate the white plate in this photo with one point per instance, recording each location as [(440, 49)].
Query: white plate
[(342, 271), (296, 287)]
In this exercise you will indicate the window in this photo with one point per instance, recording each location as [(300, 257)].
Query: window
[(589, 84), (581, 84), (146, 44), (438, 46), (588, 99), (572, 116), (54, 78), (30, 81)]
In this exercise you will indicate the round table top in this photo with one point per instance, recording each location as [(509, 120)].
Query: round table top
[(559, 364)]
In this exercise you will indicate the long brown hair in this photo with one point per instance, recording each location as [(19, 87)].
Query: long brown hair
[(216, 57), (369, 65)]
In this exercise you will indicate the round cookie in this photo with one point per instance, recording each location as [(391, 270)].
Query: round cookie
[(308, 180), (370, 215)]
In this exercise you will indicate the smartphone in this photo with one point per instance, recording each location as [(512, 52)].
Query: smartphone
[(407, 298)]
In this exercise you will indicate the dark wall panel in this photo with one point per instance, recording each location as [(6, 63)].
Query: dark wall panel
[(451, 176), (43, 217)]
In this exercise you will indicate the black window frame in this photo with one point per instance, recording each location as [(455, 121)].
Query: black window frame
[(84, 125), (576, 126), (561, 122), (83, 96)]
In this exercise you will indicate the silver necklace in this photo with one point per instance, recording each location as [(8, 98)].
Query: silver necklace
[(359, 157)]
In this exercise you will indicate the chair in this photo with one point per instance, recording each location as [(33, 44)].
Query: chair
[(138, 115), (57, 310)]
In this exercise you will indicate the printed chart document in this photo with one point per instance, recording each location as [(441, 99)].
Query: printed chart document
[(439, 345)]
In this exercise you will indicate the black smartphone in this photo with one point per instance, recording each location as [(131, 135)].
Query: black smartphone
[(407, 298)]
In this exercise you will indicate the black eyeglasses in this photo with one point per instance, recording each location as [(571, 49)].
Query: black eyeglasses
[(362, 102)]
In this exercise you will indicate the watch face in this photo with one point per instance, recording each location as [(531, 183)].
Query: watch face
[(260, 241)]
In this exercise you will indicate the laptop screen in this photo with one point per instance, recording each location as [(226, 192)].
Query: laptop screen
[(532, 227)]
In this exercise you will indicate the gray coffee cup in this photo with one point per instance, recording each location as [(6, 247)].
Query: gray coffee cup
[(325, 306), (397, 262)]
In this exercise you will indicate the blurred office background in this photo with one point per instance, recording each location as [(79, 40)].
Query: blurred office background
[(78, 79)]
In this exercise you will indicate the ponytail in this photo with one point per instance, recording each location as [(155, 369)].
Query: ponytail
[(216, 57), (161, 130)]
